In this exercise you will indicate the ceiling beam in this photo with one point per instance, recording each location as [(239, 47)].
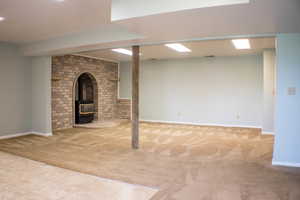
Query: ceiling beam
[(82, 41)]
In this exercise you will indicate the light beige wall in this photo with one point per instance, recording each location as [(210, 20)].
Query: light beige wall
[(15, 91), (218, 91), (41, 95)]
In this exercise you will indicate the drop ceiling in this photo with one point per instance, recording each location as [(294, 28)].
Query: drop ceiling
[(198, 49)]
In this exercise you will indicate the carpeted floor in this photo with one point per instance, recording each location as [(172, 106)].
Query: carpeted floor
[(24, 179), (184, 162)]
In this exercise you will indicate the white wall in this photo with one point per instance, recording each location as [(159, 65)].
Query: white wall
[(287, 126), (269, 92), (137, 8), (223, 90), (41, 95), (25, 88), (15, 91)]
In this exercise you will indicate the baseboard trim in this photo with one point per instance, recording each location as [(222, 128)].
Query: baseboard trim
[(267, 133), (24, 134), (42, 134), (285, 164), (199, 124), (14, 135)]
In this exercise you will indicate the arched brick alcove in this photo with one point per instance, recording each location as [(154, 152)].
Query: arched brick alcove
[(65, 71), (91, 94)]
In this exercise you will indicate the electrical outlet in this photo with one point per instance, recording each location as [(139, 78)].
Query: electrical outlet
[(292, 91), (238, 116)]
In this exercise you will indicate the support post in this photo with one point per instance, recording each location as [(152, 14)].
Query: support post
[(135, 96)]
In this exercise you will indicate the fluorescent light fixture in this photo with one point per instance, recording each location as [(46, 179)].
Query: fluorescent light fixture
[(123, 51), (241, 43), (2, 19), (178, 47), (60, 0)]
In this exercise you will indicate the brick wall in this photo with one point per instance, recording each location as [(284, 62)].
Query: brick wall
[(124, 109), (65, 71)]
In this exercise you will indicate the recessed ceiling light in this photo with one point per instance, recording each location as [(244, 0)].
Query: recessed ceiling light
[(241, 44), (178, 47), (123, 51), (2, 19)]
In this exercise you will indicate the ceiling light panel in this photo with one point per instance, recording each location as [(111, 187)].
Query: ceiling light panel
[(241, 44), (178, 47), (2, 19), (123, 51)]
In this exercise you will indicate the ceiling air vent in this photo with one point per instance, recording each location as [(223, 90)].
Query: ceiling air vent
[(210, 56)]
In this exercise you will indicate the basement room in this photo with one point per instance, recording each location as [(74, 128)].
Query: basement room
[(206, 114), (149, 100)]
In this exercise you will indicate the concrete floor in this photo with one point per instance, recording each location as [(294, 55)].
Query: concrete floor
[(184, 162), (24, 179)]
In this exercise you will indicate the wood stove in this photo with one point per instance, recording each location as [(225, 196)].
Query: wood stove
[(85, 111), (84, 103)]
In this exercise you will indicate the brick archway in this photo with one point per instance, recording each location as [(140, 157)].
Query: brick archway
[(65, 71), (95, 94)]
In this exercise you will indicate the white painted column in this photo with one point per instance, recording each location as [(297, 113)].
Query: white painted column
[(287, 110), (269, 92)]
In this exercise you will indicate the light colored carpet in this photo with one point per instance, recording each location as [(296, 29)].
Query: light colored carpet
[(185, 162), (23, 179), (101, 124)]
